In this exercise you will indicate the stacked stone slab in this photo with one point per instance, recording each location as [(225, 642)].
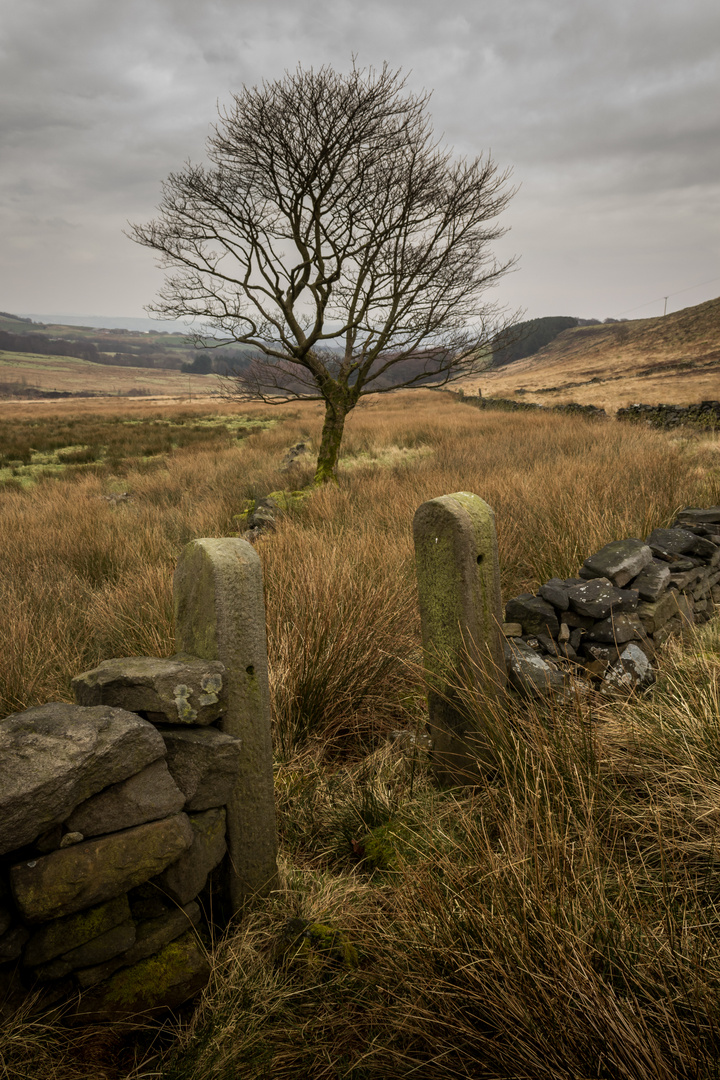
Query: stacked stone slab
[(112, 816), (606, 625)]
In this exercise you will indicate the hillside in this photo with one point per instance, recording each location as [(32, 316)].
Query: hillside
[(673, 359)]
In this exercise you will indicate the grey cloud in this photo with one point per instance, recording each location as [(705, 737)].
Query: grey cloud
[(594, 105)]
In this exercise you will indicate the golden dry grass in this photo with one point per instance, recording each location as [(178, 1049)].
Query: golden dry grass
[(84, 580), (674, 359), (561, 922)]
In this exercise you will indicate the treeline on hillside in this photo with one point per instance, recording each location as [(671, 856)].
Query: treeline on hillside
[(133, 354), (46, 346), (217, 362), (525, 338)]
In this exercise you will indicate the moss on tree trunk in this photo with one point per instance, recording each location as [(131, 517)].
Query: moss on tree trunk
[(330, 441)]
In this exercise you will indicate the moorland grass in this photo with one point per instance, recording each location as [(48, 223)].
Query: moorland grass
[(559, 921)]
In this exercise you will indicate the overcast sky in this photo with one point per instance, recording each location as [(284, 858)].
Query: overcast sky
[(608, 112)]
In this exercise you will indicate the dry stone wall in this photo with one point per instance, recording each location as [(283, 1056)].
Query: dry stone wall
[(144, 809), (604, 627), (113, 815)]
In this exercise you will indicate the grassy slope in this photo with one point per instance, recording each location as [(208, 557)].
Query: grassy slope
[(73, 374), (561, 921), (674, 359)]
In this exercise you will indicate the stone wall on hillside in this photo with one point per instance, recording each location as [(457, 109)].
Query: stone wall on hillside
[(705, 414), (603, 628), (113, 817)]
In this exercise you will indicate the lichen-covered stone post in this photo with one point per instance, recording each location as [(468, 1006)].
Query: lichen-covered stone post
[(459, 592), (220, 615)]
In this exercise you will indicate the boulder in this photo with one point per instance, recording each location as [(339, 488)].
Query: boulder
[(534, 614), (56, 756), (204, 764), (163, 981), (185, 878), (146, 796), (596, 598), (178, 690), (632, 671), (619, 562), (61, 935), (89, 873), (529, 673)]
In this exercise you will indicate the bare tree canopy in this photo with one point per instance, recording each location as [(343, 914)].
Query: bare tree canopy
[(334, 235)]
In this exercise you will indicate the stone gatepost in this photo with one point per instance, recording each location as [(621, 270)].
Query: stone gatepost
[(220, 615), (459, 592)]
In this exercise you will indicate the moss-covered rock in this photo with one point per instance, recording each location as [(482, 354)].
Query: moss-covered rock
[(163, 981)]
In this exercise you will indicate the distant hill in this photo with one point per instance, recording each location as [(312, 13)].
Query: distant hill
[(525, 338), (119, 347), (673, 358), (112, 322)]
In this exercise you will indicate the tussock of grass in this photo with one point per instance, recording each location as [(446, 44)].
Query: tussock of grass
[(561, 920)]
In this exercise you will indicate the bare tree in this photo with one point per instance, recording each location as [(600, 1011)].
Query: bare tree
[(334, 235)]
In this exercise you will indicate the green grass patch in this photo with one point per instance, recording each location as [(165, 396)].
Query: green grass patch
[(31, 448)]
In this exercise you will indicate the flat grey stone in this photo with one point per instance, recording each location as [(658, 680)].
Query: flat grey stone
[(654, 615), (146, 796), (575, 621), (681, 542), (596, 598), (652, 581), (529, 673), (616, 629), (62, 935), (688, 579), (620, 561), (204, 764), (697, 516), (535, 615), (55, 756), (555, 592), (182, 689), (632, 671), (89, 873), (186, 877)]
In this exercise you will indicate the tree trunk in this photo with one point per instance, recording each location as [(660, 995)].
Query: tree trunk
[(332, 434)]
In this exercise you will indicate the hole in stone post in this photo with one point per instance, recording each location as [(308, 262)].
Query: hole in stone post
[(480, 558), (250, 669)]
